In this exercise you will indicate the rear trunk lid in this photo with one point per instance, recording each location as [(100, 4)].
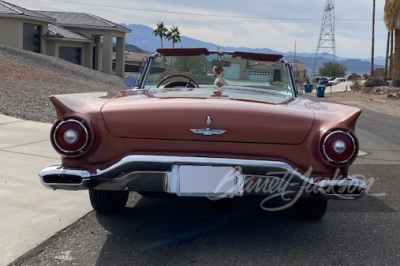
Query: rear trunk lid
[(187, 119)]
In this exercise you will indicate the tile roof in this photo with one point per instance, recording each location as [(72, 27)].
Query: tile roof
[(10, 9), (59, 32), (82, 20)]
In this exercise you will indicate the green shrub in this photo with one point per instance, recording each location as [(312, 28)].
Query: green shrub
[(356, 85), (354, 77)]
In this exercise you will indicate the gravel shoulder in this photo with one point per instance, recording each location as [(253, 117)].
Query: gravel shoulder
[(28, 79), (375, 102)]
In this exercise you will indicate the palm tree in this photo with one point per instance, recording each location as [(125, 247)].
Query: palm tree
[(392, 21), (160, 31), (174, 35)]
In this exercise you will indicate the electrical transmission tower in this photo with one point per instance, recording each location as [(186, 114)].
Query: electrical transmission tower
[(326, 42)]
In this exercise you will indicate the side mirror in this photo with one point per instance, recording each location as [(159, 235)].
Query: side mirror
[(130, 81)]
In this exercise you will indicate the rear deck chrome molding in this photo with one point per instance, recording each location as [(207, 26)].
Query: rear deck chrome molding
[(123, 176)]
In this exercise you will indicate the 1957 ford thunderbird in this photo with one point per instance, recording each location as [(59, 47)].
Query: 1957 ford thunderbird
[(206, 124)]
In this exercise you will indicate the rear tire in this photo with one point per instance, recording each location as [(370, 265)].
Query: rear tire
[(105, 201), (310, 208)]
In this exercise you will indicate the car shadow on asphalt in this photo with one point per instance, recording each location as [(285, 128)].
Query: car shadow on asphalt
[(185, 230)]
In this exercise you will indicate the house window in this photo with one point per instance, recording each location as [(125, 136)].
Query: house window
[(31, 40), (71, 54)]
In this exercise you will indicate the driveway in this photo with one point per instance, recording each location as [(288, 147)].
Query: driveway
[(30, 213)]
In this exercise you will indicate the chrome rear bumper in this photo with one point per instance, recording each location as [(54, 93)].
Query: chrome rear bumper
[(160, 174)]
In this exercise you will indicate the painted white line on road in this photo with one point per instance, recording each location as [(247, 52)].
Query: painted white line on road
[(361, 153)]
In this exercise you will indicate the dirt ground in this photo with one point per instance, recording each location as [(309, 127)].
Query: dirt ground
[(375, 101)]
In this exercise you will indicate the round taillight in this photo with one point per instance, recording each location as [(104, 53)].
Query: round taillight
[(339, 147), (71, 136)]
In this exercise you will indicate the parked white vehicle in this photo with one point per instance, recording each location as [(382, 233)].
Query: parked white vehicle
[(336, 81)]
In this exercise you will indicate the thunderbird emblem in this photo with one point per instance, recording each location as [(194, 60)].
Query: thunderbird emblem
[(208, 131)]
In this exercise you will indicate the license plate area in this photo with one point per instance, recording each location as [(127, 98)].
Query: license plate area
[(209, 181)]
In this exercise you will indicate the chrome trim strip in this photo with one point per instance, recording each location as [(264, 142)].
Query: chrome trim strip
[(146, 71), (196, 161), (290, 73), (114, 176)]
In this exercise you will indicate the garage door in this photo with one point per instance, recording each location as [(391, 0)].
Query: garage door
[(232, 72), (259, 76)]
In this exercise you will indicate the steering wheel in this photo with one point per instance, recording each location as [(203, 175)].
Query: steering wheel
[(191, 83)]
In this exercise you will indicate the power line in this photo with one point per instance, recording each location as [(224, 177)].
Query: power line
[(158, 11), (214, 15)]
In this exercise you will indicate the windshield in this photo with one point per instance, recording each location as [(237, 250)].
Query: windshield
[(235, 76)]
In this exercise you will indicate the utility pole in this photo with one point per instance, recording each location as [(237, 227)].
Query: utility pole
[(391, 66), (389, 36), (373, 41), (326, 42)]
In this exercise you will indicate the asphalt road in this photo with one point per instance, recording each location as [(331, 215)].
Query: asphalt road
[(192, 231)]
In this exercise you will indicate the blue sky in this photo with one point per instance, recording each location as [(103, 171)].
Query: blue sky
[(253, 23)]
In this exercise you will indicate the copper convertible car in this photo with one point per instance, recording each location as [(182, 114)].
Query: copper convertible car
[(206, 124)]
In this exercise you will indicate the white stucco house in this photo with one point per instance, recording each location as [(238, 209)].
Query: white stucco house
[(81, 38)]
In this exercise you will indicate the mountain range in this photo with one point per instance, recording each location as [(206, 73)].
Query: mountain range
[(142, 37)]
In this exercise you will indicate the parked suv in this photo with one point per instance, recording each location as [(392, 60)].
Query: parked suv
[(336, 81)]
